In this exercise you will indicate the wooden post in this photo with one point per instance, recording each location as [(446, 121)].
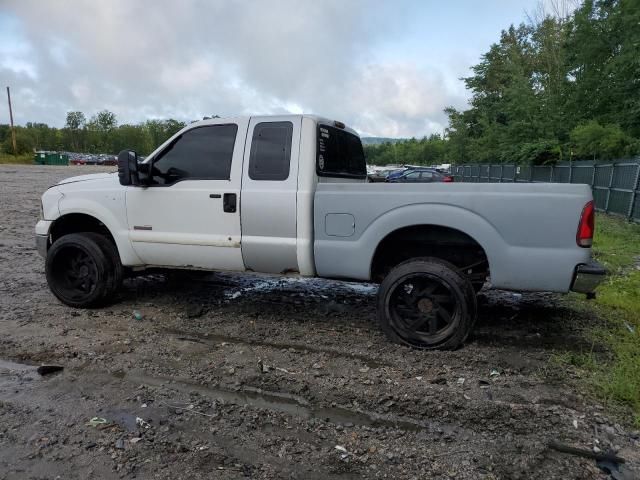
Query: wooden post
[(13, 131)]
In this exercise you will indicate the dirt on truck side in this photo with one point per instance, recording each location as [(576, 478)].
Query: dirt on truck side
[(230, 376)]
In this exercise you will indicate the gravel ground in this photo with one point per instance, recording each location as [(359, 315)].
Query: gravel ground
[(233, 376)]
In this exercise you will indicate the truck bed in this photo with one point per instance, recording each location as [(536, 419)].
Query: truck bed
[(528, 231)]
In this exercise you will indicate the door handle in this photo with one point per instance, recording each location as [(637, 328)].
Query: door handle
[(214, 195), (229, 202)]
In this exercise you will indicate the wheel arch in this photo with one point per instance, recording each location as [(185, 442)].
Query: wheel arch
[(78, 222), (460, 225), (81, 221), (432, 240)]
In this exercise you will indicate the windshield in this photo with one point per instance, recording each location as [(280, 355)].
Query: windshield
[(340, 154)]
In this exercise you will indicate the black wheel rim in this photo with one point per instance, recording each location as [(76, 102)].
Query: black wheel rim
[(75, 273), (423, 309)]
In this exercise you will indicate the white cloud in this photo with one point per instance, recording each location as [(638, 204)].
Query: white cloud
[(192, 58)]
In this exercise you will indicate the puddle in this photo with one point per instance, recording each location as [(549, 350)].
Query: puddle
[(14, 367), (14, 373), (294, 405), (214, 339), (125, 419), (252, 282), (261, 287)]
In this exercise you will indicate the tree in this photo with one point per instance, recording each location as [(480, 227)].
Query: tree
[(597, 141), (106, 120), (542, 80), (100, 132), (75, 124), (24, 142), (75, 120)]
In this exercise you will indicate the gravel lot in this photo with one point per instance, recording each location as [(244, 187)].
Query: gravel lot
[(230, 376)]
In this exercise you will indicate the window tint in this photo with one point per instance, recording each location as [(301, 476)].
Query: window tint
[(201, 153), (340, 154), (413, 176), (270, 151)]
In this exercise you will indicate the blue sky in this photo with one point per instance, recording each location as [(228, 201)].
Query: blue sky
[(386, 68)]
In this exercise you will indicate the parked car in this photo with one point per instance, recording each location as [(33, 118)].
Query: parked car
[(396, 173), (289, 194), (108, 160), (380, 175), (420, 175)]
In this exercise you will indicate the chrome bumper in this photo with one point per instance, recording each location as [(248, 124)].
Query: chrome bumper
[(42, 243), (587, 277)]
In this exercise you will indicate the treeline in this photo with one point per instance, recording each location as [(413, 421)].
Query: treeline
[(432, 150), (557, 88), (100, 134)]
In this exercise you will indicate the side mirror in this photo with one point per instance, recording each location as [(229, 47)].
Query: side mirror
[(128, 168)]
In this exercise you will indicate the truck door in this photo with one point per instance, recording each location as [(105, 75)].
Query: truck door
[(190, 214), (269, 186)]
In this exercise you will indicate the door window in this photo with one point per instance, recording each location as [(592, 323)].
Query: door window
[(270, 156), (413, 177), (203, 153)]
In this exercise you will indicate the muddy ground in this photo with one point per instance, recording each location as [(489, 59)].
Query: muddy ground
[(233, 376)]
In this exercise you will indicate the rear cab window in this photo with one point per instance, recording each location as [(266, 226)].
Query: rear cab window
[(339, 154)]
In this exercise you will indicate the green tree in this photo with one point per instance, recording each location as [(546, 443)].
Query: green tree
[(74, 126), (599, 142), (532, 89), (24, 142), (100, 130)]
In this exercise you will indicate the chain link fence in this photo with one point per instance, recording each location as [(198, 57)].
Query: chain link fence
[(615, 185)]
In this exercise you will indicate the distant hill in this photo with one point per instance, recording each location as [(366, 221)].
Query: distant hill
[(379, 140)]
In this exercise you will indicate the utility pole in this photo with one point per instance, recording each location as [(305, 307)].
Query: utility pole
[(13, 131)]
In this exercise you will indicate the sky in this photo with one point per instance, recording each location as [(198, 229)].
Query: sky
[(386, 68)]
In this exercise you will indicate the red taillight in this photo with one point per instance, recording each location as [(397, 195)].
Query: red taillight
[(447, 178), (584, 237)]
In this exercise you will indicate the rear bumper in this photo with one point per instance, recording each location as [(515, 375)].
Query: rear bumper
[(587, 277)]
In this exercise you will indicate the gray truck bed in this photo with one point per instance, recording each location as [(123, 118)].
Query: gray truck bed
[(528, 231)]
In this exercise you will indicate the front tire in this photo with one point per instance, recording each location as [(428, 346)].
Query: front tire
[(83, 269), (427, 303)]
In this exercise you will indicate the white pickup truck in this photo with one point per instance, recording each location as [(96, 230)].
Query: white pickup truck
[(288, 195)]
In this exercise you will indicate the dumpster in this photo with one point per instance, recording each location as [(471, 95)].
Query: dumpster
[(50, 158)]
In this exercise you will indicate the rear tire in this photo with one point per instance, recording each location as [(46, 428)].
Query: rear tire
[(427, 303), (83, 269)]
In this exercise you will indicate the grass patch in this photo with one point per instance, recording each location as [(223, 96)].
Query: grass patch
[(616, 243), (616, 378), (12, 159)]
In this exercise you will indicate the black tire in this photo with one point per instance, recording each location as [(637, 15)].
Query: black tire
[(83, 269), (112, 253), (425, 291)]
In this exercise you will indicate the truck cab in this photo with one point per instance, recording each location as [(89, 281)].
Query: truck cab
[(237, 194), (222, 194)]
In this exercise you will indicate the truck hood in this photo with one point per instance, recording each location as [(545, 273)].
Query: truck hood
[(86, 178)]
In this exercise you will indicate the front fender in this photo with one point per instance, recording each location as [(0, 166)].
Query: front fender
[(109, 209)]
